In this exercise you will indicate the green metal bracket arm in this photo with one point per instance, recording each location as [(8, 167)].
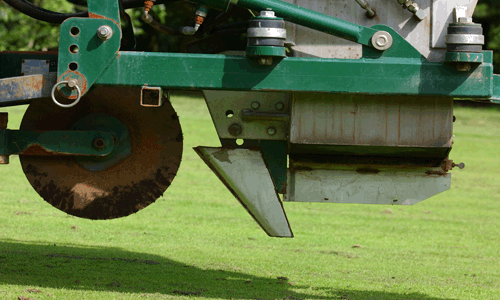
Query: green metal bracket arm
[(72, 142), (307, 18)]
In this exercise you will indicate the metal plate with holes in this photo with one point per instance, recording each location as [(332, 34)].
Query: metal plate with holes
[(35, 66), (226, 109)]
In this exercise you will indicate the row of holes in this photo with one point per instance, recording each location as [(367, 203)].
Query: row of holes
[(73, 48)]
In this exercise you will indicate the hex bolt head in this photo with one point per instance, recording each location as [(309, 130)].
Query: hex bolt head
[(255, 105), (235, 129), (271, 131), (104, 32), (267, 13), (279, 106)]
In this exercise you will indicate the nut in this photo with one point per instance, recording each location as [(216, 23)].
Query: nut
[(255, 105), (463, 66), (279, 106), (464, 20), (413, 7), (420, 14), (267, 13)]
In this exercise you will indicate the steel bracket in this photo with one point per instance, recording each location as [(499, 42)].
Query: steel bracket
[(83, 53)]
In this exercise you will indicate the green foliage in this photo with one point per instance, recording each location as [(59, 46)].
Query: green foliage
[(19, 32), (487, 13)]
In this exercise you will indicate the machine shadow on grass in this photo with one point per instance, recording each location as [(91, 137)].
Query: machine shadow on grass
[(114, 270)]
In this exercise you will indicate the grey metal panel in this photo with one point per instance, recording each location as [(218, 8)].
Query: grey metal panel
[(307, 42), (340, 119), (394, 187), (35, 66), (442, 14), (219, 102), (245, 174)]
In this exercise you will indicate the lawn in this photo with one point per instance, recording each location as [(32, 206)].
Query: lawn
[(197, 242)]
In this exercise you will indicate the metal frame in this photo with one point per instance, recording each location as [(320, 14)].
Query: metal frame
[(399, 70)]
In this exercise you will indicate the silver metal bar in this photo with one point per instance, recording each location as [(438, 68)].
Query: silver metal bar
[(248, 115), (22, 88)]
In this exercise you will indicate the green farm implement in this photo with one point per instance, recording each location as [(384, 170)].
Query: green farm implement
[(343, 101)]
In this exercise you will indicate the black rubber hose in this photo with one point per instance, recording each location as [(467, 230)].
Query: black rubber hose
[(42, 14)]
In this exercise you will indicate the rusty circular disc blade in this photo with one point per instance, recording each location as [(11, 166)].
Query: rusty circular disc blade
[(123, 188)]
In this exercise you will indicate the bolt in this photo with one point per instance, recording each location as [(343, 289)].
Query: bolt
[(266, 61), (271, 131), (381, 41), (464, 20), (463, 67), (104, 32), (268, 13), (460, 165), (255, 105), (235, 129), (279, 105), (72, 83), (99, 143)]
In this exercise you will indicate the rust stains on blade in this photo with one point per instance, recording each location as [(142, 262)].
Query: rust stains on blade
[(122, 189)]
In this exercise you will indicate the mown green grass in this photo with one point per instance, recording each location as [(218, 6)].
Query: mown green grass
[(198, 240)]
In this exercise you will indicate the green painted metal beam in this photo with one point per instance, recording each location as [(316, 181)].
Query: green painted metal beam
[(388, 75), (496, 90)]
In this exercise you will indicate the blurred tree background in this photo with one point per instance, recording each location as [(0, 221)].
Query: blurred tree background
[(20, 32)]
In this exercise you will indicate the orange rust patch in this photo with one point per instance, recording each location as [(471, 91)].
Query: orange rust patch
[(37, 150), (96, 16), (82, 82)]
